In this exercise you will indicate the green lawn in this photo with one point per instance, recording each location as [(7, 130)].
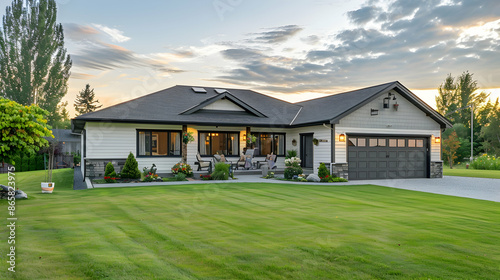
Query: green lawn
[(249, 231), (462, 172)]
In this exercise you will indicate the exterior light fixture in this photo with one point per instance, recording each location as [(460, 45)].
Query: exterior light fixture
[(437, 139), (374, 112), (386, 102), (342, 137)]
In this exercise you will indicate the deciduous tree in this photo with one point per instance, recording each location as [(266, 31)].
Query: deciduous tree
[(22, 128), (34, 65), (450, 147)]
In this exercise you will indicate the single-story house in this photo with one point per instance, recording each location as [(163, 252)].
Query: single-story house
[(383, 131), (69, 142)]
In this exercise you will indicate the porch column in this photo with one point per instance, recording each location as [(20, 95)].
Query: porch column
[(184, 145), (249, 131)]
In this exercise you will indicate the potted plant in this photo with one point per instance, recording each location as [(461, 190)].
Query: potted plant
[(315, 141), (48, 185), (187, 137), (251, 139), (396, 106)]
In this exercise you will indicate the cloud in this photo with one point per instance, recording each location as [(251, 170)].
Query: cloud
[(115, 34), (363, 15), (416, 42), (95, 54), (311, 39), (82, 76), (276, 35)]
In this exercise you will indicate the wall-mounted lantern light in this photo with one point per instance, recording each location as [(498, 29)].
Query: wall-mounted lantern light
[(294, 142), (342, 137), (386, 102), (437, 139), (374, 112)]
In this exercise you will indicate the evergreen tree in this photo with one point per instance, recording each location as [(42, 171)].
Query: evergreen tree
[(62, 119), (131, 169), (85, 101), (446, 101), (466, 88), (34, 65)]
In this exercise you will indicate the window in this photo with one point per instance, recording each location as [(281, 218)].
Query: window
[(381, 142), (269, 143), (420, 143), (158, 143), (411, 143), (361, 142), (401, 143), (373, 142), (392, 142), (352, 141), (225, 143)]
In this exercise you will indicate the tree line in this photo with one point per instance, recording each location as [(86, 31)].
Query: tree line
[(456, 99), (34, 64)]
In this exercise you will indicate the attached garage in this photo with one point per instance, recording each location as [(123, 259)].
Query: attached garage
[(378, 157)]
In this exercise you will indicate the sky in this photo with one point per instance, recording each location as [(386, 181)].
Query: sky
[(290, 49)]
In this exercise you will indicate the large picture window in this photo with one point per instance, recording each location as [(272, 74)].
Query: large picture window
[(268, 143), (158, 143), (226, 143)]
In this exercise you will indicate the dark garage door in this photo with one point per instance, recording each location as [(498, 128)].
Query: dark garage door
[(371, 157)]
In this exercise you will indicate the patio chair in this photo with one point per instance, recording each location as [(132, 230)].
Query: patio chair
[(203, 163), (270, 161), (248, 158)]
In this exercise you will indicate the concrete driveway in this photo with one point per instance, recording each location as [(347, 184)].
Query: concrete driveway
[(478, 188)]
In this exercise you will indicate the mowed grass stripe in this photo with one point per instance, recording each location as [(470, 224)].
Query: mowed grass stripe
[(253, 231)]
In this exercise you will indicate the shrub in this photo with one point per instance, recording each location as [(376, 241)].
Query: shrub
[(25, 165), (323, 171), (336, 179), (206, 177), (292, 171), (221, 171), (182, 168), (149, 173), (180, 177), (486, 162), (39, 162), (17, 162), (292, 162), (291, 154), (109, 173), (131, 169), (32, 163), (77, 157)]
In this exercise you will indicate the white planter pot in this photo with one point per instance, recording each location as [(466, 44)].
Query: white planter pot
[(47, 187)]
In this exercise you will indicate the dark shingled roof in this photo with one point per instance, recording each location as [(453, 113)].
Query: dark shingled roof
[(181, 105), (324, 109)]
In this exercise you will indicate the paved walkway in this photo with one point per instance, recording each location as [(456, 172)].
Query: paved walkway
[(478, 188)]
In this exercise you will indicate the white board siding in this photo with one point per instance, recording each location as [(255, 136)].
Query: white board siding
[(321, 152), (224, 105), (117, 140), (407, 120)]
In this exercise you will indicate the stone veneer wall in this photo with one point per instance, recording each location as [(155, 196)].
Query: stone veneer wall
[(436, 169), (340, 170)]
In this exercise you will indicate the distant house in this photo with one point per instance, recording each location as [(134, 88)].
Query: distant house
[(383, 131), (69, 142)]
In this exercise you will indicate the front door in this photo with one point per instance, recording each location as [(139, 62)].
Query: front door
[(306, 150)]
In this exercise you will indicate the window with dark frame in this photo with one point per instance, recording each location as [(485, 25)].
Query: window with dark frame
[(217, 142), (153, 143), (268, 143)]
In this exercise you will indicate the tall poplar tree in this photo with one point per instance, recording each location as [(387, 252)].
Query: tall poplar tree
[(34, 65), (85, 101)]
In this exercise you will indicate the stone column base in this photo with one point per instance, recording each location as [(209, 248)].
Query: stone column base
[(340, 169), (436, 169)]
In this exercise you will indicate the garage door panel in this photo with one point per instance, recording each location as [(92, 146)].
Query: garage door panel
[(381, 160)]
